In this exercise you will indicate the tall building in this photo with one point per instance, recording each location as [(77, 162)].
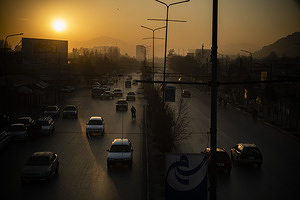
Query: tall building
[(140, 52)]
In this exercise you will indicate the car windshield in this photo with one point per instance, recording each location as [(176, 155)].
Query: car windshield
[(51, 109), (38, 160), (95, 122), (23, 121), (120, 148), (122, 102), (70, 108), (222, 156), (43, 123), (251, 150), (16, 128)]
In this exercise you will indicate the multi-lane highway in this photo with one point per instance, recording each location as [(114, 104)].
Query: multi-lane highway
[(83, 172)]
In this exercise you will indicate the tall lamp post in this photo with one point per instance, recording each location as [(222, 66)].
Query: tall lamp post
[(166, 37), (153, 30), (5, 43)]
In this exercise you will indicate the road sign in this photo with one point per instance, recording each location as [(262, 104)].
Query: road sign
[(170, 92)]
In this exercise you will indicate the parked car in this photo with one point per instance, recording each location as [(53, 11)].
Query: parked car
[(95, 126), (67, 88), (117, 92), (70, 111), (122, 105), (107, 95), (246, 153), (130, 96), (186, 93), (52, 111), (223, 162), (120, 152), (4, 139), (40, 166), (46, 125), (17, 131)]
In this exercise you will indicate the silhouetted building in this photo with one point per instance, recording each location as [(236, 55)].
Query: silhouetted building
[(140, 52), (111, 52)]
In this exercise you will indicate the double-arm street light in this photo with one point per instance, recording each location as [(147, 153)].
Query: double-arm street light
[(166, 37), (5, 44), (153, 30)]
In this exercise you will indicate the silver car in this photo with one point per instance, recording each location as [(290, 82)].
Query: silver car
[(40, 166), (95, 126), (120, 153), (17, 131), (46, 125)]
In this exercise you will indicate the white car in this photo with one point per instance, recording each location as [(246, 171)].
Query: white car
[(46, 125), (95, 126), (130, 96), (17, 131), (40, 166), (120, 152)]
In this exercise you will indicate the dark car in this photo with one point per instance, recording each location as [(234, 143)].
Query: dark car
[(52, 111), (40, 166), (186, 93), (27, 121), (122, 105), (107, 95), (223, 162), (246, 153), (70, 111)]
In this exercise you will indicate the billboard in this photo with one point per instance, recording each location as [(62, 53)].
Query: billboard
[(186, 177), (44, 51)]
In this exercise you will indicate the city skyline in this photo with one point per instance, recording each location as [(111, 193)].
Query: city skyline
[(248, 25)]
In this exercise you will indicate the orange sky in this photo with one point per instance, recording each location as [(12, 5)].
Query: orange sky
[(242, 24)]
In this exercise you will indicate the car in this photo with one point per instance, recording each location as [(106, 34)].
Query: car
[(17, 131), (130, 96), (122, 105), (95, 84), (186, 93), (120, 152), (95, 126), (40, 166), (247, 153), (4, 139), (107, 95), (46, 125), (117, 92), (27, 121), (70, 111), (52, 111), (134, 82), (105, 88), (96, 92), (223, 162), (67, 88)]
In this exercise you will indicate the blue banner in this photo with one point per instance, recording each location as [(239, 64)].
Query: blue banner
[(186, 177)]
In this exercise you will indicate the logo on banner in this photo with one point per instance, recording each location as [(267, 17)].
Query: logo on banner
[(186, 176)]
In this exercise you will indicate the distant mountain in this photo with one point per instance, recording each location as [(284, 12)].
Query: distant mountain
[(288, 46), (104, 41)]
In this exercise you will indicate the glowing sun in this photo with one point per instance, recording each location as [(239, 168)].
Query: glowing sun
[(59, 25)]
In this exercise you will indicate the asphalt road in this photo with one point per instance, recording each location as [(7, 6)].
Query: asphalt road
[(279, 174), (83, 173)]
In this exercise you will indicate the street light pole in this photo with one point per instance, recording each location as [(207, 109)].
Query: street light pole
[(5, 61), (166, 38), (153, 30)]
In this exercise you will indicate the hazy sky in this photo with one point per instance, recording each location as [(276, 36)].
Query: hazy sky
[(243, 24)]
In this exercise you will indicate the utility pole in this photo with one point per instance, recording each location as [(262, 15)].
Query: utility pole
[(153, 30), (214, 94), (166, 37)]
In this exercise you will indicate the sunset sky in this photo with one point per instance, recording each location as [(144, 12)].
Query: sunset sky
[(243, 24)]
